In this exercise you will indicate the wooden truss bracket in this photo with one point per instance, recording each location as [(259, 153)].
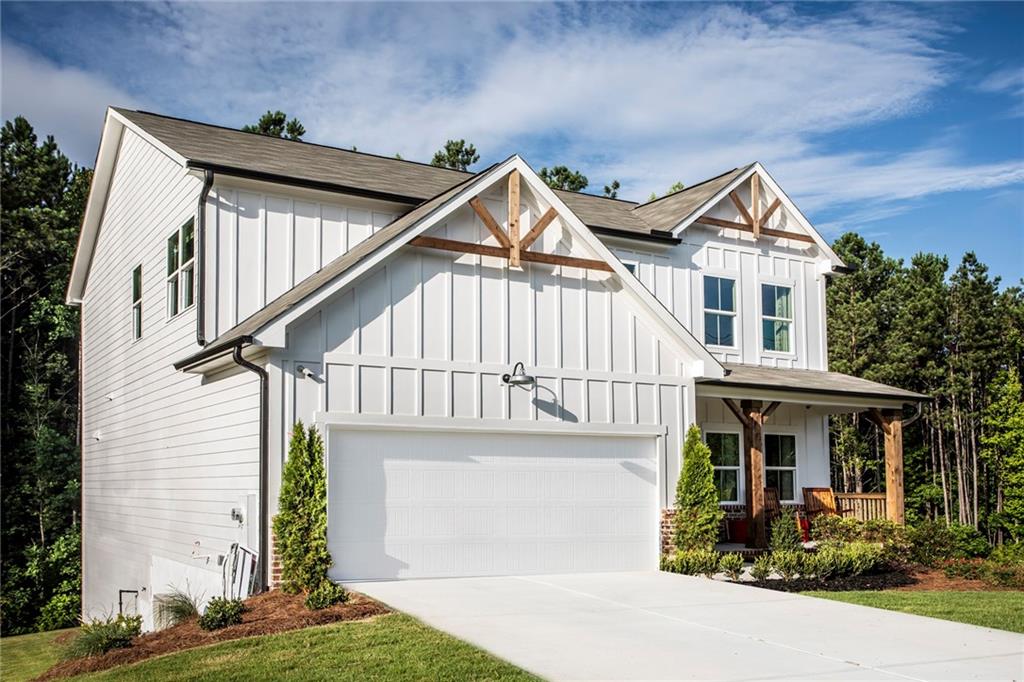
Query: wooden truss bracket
[(513, 247), (753, 220)]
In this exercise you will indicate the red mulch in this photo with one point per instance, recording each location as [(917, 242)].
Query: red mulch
[(265, 614), (935, 579)]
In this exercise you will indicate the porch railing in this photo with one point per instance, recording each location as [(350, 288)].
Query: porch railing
[(865, 506)]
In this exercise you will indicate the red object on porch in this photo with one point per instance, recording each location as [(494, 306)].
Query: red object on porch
[(737, 530), (805, 528)]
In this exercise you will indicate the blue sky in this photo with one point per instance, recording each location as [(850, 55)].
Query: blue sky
[(902, 122)]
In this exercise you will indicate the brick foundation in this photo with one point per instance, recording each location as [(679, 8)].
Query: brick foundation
[(732, 511), (275, 564)]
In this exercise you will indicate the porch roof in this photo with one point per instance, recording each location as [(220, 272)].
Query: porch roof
[(808, 381)]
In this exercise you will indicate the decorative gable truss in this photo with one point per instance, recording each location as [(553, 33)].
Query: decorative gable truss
[(511, 246), (754, 204)]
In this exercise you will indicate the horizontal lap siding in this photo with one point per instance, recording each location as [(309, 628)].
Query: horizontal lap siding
[(165, 456), (429, 334)]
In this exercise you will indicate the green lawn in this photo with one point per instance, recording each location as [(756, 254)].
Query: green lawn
[(25, 656), (391, 647), (1000, 610)]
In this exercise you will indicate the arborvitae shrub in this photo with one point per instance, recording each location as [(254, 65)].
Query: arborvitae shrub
[(698, 515)]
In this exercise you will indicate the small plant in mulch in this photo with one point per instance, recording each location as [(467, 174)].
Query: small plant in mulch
[(691, 562), (221, 613), (174, 607), (100, 636), (731, 565), (762, 568), (328, 594), (265, 614)]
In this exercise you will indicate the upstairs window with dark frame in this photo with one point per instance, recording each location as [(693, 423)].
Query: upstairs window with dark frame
[(137, 303), (725, 457), (777, 317), (780, 464), (181, 252), (719, 311)]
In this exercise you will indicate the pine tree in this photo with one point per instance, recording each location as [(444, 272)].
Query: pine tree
[(1002, 447), (563, 177), (697, 515), (300, 527), (456, 154), (276, 124)]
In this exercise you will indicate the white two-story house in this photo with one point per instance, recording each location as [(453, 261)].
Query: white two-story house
[(503, 374)]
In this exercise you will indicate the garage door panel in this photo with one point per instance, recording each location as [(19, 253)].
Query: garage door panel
[(434, 504)]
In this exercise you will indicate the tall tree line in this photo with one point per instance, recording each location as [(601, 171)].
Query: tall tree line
[(42, 197), (959, 339)]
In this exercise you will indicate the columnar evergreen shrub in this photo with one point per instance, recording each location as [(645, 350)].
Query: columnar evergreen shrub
[(697, 512), (301, 522), (785, 534)]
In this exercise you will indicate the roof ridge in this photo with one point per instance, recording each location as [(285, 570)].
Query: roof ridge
[(702, 182), (285, 139)]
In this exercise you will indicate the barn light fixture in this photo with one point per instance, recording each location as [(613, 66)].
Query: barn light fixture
[(519, 377)]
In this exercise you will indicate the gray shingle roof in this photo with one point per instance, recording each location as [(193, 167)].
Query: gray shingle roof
[(668, 211), (809, 381), (211, 146)]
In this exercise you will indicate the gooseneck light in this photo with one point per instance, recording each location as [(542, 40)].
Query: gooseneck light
[(518, 377)]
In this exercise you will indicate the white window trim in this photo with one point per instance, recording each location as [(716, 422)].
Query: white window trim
[(189, 265), (741, 484), (797, 449), (721, 274), (761, 317), (136, 303)]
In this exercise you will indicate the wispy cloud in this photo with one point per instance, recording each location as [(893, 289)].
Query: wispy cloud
[(1008, 81), (682, 92)]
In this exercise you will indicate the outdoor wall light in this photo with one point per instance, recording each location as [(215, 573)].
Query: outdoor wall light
[(519, 377)]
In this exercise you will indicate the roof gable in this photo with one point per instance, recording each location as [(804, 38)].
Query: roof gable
[(267, 327)]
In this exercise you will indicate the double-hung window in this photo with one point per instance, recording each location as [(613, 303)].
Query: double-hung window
[(777, 317), (181, 251), (725, 456), (719, 311), (780, 464), (137, 303)]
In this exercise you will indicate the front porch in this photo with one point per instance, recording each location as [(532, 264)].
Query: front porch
[(769, 436)]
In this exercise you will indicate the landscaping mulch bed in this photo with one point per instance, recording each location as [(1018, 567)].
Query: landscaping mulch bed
[(912, 580), (265, 614)]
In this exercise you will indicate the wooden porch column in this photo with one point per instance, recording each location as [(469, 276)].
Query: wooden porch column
[(752, 416), (891, 423)]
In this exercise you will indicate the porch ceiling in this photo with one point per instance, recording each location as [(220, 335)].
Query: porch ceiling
[(806, 386)]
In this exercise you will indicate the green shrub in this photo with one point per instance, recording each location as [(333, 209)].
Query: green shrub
[(785, 533), (833, 528), (174, 607), (732, 565), (100, 636), (221, 612), (300, 527), (698, 514), (63, 610), (787, 564), (328, 594), (968, 569), (864, 557), (1003, 574), (691, 562), (932, 542), (762, 567), (1010, 553)]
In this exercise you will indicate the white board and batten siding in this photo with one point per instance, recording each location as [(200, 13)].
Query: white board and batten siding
[(425, 338), (165, 455), (261, 244), (676, 277)]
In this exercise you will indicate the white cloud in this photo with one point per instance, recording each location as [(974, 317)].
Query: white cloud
[(65, 102), (1008, 81), (648, 97)]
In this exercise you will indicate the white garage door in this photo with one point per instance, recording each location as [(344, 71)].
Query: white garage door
[(415, 504)]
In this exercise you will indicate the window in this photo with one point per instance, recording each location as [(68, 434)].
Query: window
[(630, 266), (777, 317), (719, 311), (137, 303), (725, 456), (181, 251), (780, 464)]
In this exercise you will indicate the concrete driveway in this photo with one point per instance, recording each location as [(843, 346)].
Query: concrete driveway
[(659, 626)]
